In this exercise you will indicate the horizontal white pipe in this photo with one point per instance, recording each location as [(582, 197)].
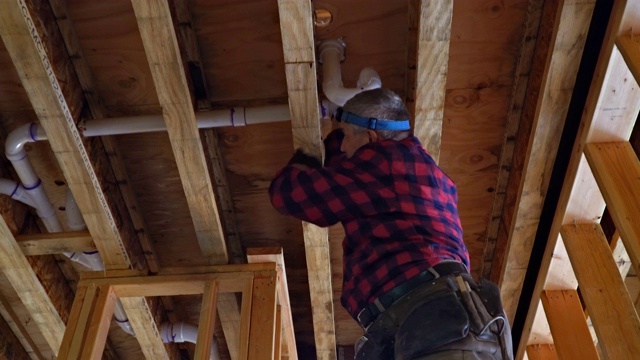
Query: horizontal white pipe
[(331, 53), (182, 332), (238, 116)]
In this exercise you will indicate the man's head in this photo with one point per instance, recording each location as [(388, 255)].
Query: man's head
[(379, 104)]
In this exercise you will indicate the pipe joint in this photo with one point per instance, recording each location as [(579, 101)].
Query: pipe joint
[(334, 45)]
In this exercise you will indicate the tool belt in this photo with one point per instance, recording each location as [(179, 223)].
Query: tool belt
[(369, 313)]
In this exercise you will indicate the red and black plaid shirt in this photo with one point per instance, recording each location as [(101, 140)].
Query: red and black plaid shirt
[(397, 207)]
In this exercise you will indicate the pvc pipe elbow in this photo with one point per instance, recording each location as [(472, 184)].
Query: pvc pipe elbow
[(14, 146), (182, 332)]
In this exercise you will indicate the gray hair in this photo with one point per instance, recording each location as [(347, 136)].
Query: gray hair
[(380, 104)]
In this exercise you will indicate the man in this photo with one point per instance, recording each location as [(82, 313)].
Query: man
[(406, 277)]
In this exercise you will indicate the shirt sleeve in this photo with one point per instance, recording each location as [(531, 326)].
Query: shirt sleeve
[(345, 188)]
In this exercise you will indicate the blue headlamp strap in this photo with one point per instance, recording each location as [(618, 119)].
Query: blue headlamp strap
[(371, 123)]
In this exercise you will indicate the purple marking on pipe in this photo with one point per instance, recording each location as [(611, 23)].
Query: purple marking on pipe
[(121, 321), (22, 158), (231, 111), (72, 255), (34, 186), (324, 111), (90, 252), (15, 190), (33, 131)]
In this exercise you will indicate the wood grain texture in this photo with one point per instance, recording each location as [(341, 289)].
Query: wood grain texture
[(300, 70), (571, 335), (55, 243), (161, 47), (98, 324), (611, 310), (554, 75), (263, 316), (146, 330), (431, 72), (617, 171), (207, 321), (610, 97), (16, 338), (258, 255), (10, 346)]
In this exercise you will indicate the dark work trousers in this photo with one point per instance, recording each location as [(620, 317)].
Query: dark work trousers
[(450, 317)]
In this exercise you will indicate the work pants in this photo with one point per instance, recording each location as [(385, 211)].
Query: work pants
[(450, 317)]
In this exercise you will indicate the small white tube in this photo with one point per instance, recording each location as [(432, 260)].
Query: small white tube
[(331, 53), (15, 191), (182, 332), (122, 319)]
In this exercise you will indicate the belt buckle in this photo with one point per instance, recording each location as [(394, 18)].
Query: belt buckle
[(360, 321)]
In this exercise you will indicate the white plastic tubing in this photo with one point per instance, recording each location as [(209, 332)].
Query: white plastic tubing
[(182, 332), (331, 53)]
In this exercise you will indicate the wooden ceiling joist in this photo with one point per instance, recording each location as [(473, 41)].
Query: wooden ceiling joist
[(609, 115), (434, 32), (55, 243), (563, 31), (296, 26), (58, 109)]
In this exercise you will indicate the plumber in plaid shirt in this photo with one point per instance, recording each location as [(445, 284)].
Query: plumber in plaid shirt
[(406, 277)]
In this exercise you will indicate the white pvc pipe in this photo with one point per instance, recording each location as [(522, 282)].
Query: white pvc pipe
[(331, 53), (75, 221), (182, 332), (15, 191), (237, 116)]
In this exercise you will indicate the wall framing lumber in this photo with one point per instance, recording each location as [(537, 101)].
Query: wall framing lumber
[(568, 324), (10, 346), (429, 85), (542, 352), (161, 46), (296, 28), (552, 79), (55, 243), (262, 255), (207, 321), (611, 309), (31, 292), (16, 330), (616, 168), (611, 96), (263, 316)]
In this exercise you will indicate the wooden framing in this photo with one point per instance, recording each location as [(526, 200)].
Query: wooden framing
[(300, 68), (434, 31), (568, 324), (609, 116), (55, 243), (98, 291), (563, 32), (542, 352)]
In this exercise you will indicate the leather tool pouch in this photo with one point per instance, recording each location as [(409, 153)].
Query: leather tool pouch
[(433, 324)]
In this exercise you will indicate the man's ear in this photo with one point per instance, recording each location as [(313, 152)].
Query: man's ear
[(373, 135)]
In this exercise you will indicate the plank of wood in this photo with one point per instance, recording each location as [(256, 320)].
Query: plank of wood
[(98, 326), (263, 316), (542, 352), (29, 54), (258, 255), (569, 328), (161, 47), (433, 36), (617, 171), (18, 332), (207, 321), (31, 292), (611, 96), (553, 78), (629, 46), (278, 335), (524, 76), (145, 328), (55, 243), (245, 325), (10, 345), (605, 295), (296, 28)]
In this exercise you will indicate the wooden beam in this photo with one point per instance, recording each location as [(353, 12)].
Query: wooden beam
[(10, 346), (561, 40), (605, 295), (611, 96), (55, 243), (629, 46), (542, 352), (163, 54), (267, 255), (31, 292), (569, 328), (207, 321), (245, 324), (18, 330), (617, 171), (98, 327), (296, 27), (148, 336), (263, 317), (434, 31)]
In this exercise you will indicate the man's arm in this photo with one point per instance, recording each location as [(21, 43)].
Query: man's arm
[(345, 189)]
